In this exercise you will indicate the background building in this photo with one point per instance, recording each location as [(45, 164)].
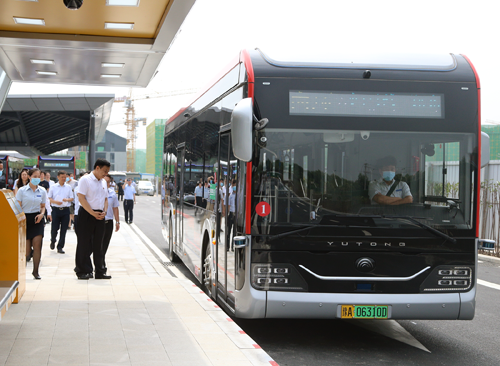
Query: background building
[(114, 149), (154, 149)]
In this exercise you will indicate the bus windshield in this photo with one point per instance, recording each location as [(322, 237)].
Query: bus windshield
[(310, 176)]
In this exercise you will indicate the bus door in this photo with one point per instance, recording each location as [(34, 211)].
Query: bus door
[(225, 257), (180, 196)]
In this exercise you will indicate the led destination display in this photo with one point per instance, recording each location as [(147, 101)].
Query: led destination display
[(366, 104)]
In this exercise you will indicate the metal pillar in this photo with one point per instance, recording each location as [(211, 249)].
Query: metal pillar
[(91, 154), (5, 84)]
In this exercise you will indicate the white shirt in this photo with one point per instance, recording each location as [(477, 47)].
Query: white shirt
[(379, 186), (198, 191), (51, 182), (112, 202), (232, 201), (30, 201), (59, 192), (77, 201), (95, 191), (129, 192)]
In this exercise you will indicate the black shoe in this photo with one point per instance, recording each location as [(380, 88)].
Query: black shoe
[(36, 276), (102, 277), (52, 246), (60, 251), (83, 276)]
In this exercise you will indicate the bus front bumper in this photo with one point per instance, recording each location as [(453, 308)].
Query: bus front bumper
[(400, 306)]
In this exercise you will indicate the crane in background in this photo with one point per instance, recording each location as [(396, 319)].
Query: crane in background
[(131, 122)]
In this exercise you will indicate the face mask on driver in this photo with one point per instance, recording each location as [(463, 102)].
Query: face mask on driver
[(388, 175)]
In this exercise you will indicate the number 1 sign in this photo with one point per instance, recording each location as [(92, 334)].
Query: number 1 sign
[(263, 209)]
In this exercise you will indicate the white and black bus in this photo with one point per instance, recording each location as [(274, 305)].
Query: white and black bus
[(310, 144)]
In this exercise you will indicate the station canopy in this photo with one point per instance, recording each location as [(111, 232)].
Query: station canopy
[(44, 124), (104, 42)]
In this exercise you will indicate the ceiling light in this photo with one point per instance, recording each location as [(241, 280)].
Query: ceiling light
[(43, 62), (118, 25), (111, 76), (46, 72), (122, 2), (109, 64), (29, 21)]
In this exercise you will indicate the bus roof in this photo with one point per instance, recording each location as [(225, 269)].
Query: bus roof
[(390, 61)]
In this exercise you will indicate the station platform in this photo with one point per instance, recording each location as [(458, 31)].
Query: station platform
[(144, 315)]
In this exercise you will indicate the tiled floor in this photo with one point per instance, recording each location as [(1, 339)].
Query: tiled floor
[(142, 316)]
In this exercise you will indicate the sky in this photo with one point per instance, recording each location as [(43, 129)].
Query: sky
[(216, 30)]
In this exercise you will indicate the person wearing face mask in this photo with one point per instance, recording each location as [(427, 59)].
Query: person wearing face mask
[(32, 198), (60, 196), (387, 190)]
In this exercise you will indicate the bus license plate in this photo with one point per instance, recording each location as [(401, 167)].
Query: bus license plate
[(364, 312)]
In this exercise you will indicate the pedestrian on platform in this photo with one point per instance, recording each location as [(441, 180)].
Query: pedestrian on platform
[(112, 211), (32, 198), (93, 199), (73, 184), (60, 196), (3, 182), (198, 193), (43, 182), (22, 181), (231, 218), (120, 190), (47, 178), (129, 201)]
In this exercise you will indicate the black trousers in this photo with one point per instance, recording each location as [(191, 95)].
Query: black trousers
[(128, 207), (75, 221), (108, 232), (90, 233), (199, 203), (230, 226), (60, 220), (120, 196)]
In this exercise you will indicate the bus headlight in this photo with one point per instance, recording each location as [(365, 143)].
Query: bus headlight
[(277, 277), (448, 278)]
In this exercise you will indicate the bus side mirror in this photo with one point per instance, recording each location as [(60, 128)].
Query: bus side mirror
[(485, 149), (241, 129)]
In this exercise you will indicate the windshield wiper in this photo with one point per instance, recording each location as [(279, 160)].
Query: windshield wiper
[(308, 227), (416, 222)]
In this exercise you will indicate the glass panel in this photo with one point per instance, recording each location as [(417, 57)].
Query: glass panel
[(307, 176)]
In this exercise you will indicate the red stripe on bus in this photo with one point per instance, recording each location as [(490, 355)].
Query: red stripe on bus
[(251, 82), (478, 189), (257, 346), (274, 363)]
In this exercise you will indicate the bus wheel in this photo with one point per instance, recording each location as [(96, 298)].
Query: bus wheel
[(207, 271), (171, 255)]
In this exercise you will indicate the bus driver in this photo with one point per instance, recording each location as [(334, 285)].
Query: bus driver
[(387, 191)]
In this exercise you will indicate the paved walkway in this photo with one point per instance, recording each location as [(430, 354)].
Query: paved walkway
[(142, 316)]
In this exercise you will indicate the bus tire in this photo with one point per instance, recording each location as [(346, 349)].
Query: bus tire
[(171, 254), (207, 270)]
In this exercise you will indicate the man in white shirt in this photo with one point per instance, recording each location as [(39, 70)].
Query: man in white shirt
[(387, 191), (129, 201), (60, 197), (112, 211), (47, 178), (198, 193), (93, 198)]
